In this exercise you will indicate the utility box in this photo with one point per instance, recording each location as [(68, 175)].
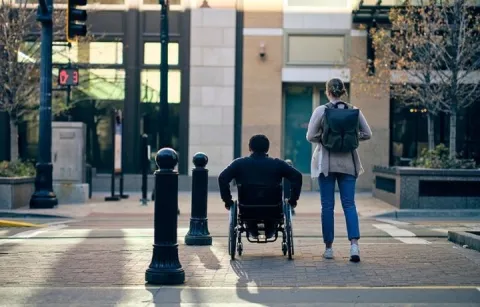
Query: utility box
[(69, 161)]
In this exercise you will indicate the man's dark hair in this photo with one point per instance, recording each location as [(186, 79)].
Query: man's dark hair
[(259, 143)]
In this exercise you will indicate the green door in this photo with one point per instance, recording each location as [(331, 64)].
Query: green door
[(298, 109)]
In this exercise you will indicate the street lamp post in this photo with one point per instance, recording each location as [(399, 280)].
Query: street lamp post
[(44, 197), (164, 109)]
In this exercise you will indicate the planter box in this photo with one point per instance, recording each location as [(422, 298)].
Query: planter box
[(420, 188), (16, 192)]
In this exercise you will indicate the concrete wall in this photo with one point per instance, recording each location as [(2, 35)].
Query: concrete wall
[(212, 69), (262, 77), (16, 192)]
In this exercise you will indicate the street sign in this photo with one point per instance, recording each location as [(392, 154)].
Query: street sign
[(68, 76)]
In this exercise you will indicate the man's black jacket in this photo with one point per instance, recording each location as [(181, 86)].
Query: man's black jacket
[(259, 169)]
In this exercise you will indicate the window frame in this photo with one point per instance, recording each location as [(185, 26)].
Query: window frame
[(333, 33)]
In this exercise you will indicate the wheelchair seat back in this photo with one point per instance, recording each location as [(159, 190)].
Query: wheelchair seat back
[(260, 201)]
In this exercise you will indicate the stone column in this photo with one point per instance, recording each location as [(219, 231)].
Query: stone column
[(212, 73)]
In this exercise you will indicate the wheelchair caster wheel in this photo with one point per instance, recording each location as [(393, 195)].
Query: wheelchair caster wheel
[(284, 248), (240, 249)]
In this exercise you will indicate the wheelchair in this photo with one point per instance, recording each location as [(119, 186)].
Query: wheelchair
[(260, 204)]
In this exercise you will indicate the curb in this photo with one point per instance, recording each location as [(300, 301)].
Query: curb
[(6, 223), (24, 215), (425, 213), (465, 238)]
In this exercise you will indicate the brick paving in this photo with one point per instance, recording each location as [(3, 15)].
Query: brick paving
[(123, 261)]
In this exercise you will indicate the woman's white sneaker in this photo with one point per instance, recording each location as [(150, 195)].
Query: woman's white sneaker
[(328, 254), (354, 253)]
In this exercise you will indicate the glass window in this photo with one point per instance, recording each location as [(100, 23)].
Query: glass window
[(105, 53), (172, 2), (316, 49), (150, 86), (152, 53), (29, 52), (101, 84)]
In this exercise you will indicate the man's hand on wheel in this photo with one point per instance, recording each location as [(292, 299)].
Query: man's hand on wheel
[(228, 205)]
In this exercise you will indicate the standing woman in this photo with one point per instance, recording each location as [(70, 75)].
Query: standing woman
[(336, 134)]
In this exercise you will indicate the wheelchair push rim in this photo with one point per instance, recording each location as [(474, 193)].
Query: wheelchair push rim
[(289, 231), (232, 233)]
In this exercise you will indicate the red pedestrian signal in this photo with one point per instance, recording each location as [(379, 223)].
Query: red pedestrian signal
[(68, 76)]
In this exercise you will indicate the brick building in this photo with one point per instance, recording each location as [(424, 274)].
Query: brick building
[(237, 67)]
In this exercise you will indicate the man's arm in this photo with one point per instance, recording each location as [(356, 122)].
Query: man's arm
[(295, 178), (224, 179)]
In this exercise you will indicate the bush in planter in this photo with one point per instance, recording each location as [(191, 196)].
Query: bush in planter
[(439, 158), (17, 169)]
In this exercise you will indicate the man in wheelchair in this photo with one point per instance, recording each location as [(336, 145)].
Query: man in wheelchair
[(259, 169)]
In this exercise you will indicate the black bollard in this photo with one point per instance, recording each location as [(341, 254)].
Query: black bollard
[(165, 268), (145, 167), (198, 233)]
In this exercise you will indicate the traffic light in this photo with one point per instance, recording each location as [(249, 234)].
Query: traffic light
[(76, 19)]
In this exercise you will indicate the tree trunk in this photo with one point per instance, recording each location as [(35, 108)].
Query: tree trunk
[(14, 153), (453, 134), (431, 131)]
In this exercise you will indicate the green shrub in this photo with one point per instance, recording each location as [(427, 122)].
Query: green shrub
[(439, 158), (16, 169)]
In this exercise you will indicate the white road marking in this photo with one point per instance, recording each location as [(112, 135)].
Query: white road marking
[(393, 222), (478, 289), (31, 233), (402, 235)]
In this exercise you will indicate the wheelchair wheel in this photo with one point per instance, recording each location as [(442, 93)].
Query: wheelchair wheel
[(284, 248), (289, 231), (232, 233)]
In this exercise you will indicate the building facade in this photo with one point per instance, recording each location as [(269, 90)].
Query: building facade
[(236, 68)]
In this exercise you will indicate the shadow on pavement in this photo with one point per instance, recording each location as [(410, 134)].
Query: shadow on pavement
[(209, 259), (88, 267), (248, 277)]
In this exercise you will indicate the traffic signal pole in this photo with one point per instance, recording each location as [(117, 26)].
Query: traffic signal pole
[(44, 197), (164, 126)]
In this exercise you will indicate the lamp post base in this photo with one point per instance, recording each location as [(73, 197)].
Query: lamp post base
[(198, 233), (43, 200), (43, 197), (165, 268)]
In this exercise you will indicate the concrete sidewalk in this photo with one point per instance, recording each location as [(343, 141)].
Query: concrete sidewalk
[(309, 203)]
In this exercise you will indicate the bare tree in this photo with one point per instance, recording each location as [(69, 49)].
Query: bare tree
[(459, 54), (19, 63), (433, 51), (18, 73), (408, 46)]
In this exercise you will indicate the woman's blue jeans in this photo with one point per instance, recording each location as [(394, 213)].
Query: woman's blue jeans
[(346, 185)]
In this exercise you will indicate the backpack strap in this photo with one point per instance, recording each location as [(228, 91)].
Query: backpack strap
[(329, 105), (340, 102)]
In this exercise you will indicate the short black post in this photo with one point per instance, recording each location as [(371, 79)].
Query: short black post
[(119, 121), (287, 186), (198, 233), (165, 268), (112, 197), (123, 196), (145, 165)]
